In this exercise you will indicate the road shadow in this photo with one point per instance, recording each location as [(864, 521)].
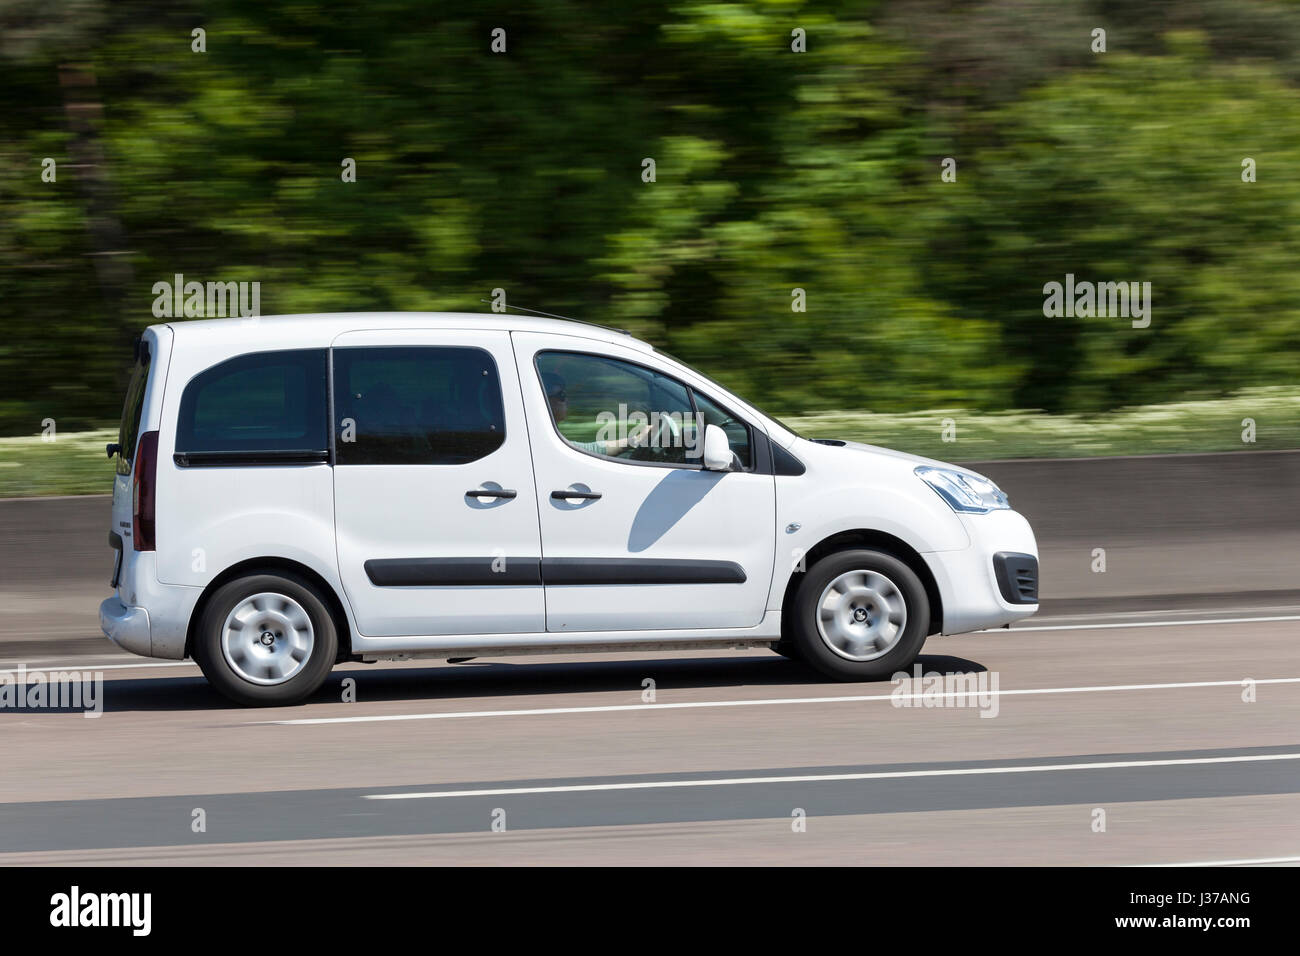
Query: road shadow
[(493, 680)]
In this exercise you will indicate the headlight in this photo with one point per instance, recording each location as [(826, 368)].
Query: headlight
[(969, 494)]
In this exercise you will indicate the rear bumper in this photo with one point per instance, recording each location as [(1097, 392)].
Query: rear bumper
[(127, 627), (144, 616)]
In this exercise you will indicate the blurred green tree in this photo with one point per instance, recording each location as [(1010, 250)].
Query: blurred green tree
[(776, 170)]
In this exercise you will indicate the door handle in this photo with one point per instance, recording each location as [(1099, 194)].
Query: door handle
[(491, 493), (587, 495)]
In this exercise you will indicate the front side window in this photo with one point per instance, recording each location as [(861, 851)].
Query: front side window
[(737, 431), (416, 405), (617, 409), (262, 402)]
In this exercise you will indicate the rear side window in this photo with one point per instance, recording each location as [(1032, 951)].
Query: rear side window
[(129, 431), (416, 405), (258, 404)]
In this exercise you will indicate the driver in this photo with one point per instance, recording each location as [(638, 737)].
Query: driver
[(558, 397)]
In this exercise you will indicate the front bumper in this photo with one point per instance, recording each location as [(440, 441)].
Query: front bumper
[(973, 597), (127, 627)]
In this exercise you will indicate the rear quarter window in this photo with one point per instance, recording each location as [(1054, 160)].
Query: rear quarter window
[(128, 432), (259, 402)]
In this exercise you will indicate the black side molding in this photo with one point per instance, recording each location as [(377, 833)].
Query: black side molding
[(558, 571), (230, 459), (523, 572), (453, 572)]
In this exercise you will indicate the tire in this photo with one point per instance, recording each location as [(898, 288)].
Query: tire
[(787, 649), (282, 652), (875, 619)]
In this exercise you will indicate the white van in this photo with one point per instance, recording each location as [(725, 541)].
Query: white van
[(297, 491)]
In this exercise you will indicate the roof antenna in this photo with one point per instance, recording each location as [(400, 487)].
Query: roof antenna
[(552, 315)]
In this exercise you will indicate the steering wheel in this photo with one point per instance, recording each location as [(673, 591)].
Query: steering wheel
[(663, 436)]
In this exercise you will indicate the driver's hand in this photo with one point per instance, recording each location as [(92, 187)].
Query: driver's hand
[(638, 436)]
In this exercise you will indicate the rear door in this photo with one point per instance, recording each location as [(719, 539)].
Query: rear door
[(435, 510)]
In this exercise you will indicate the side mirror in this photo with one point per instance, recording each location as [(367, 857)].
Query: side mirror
[(717, 450)]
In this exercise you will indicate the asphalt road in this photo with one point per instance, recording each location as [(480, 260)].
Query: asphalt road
[(1114, 728), (1146, 724)]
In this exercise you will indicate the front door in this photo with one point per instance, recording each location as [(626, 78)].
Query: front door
[(636, 535)]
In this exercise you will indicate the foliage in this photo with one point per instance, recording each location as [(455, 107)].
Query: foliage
[(775, 170)]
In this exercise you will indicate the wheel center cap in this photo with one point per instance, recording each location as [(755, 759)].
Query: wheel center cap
[(860, 614), (267, 638)]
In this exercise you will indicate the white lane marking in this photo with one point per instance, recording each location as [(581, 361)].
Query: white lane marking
[(770, 701), (1161, 612), (829, 777), (83, 666), (1261, 861), (1098, 627)]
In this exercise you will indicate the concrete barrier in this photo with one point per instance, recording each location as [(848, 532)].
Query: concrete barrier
[(1193, 531)]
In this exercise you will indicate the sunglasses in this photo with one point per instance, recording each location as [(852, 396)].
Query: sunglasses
[(559, 395)]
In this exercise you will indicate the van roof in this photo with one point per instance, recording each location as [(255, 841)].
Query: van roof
[(319, 330), (323, 327)]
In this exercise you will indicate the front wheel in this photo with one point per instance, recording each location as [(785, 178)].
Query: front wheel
[(266, 640), (860, 615), (787, 649)]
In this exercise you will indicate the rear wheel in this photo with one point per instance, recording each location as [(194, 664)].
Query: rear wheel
[(860, 615), (266, 640)]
